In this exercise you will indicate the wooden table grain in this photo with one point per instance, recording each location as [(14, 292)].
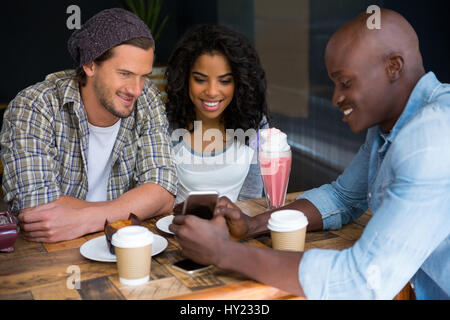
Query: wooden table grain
[(58, 271)]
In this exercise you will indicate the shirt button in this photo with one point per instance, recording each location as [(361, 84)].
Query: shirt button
[(369, 195)]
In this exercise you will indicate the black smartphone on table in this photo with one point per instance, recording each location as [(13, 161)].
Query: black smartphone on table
[(201, 204), (190, 267)]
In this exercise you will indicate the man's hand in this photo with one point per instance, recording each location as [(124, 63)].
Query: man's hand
[(238, 223), (51, 222), (69, 218), (208, 242), (241, 226), (200, 239)]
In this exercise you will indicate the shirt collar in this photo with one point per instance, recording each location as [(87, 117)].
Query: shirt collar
[(68, 88), (420, 96)]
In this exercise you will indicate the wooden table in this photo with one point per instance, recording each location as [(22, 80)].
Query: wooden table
[(46, 271)]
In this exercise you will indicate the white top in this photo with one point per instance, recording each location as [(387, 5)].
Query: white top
[(224, 171), (101, 143)]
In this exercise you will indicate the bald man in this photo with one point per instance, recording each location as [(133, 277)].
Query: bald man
[(401, 173)]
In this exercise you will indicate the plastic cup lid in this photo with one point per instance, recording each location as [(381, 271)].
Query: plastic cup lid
[(287, 220), (132, 237)]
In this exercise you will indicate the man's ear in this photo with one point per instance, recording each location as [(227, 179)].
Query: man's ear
[(394, 66), (89, 69)]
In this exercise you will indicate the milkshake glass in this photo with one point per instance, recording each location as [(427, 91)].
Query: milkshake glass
[(275, 160)]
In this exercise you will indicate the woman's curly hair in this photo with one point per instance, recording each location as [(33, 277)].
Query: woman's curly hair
[(248, 106)]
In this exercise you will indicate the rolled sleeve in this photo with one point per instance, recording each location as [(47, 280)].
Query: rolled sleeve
[(345, 199), (331, 214)]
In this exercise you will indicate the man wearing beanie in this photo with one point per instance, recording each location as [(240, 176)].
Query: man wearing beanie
[(91, 144)]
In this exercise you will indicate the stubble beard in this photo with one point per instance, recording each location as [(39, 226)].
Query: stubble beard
[(102, 93)]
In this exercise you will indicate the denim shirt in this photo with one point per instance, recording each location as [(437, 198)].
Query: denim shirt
[(403, 177)]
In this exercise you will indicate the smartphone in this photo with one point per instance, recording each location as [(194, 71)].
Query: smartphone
[(190, 267), (201, 204)]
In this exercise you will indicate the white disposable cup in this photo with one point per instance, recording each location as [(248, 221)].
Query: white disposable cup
[(133, 247), (288, 230)]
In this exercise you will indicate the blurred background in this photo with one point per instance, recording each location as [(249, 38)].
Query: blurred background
[(290, 36)]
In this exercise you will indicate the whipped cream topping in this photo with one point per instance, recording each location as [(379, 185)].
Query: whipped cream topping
[(273, 140)]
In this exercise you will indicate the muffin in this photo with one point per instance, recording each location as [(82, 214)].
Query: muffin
[(112, 227)]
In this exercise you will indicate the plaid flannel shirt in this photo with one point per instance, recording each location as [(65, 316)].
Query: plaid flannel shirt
[(44, 145)]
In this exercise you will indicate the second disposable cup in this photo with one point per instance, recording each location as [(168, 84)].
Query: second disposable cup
[(288, 230), (133, 247)]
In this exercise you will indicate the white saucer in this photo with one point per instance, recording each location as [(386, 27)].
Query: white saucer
[(163, 224), (97, 248)]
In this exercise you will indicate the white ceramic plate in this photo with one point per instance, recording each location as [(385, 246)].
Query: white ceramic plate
[(97, 248), (163, 224)]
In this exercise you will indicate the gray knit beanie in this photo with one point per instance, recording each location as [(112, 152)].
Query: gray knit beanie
[(104, 31)]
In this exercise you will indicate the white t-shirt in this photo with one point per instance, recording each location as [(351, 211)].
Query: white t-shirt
[(101, 143), (224, 171)]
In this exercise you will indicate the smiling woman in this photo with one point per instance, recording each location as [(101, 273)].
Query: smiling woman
[(216, 90), (211, 88)]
